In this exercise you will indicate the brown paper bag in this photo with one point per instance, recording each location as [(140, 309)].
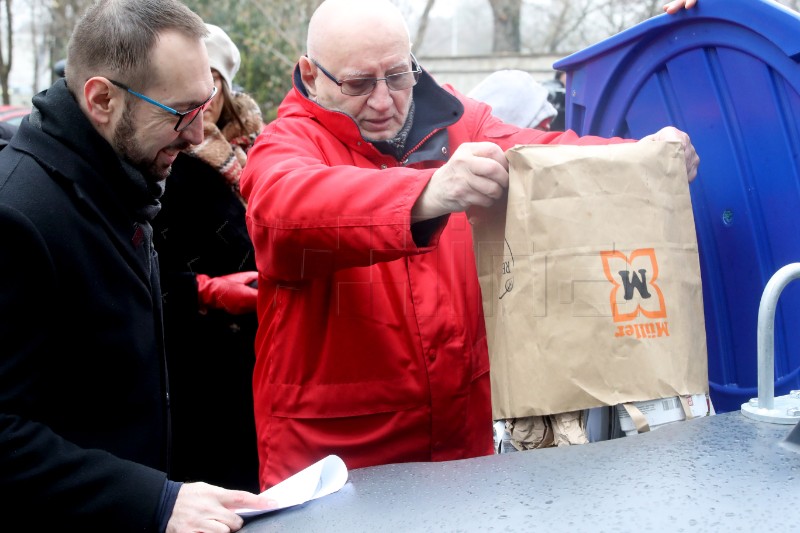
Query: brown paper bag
[(534, 432), (591, 280)]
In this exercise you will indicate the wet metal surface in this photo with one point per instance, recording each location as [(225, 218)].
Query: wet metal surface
[(719, 473)]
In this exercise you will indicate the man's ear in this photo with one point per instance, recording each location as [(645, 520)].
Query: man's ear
[(308, 73), (103, 101)]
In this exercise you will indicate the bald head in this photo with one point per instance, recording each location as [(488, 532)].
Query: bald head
[(359, 40), (355, 25)]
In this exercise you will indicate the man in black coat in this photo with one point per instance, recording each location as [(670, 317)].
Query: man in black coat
[(84, 402)]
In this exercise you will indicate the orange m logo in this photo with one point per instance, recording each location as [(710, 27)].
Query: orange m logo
[(637, 274)]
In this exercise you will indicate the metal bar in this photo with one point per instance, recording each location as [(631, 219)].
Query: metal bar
[(766, 333)]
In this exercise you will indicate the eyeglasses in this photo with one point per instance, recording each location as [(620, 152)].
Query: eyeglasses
[(362, 86), (185, 118)]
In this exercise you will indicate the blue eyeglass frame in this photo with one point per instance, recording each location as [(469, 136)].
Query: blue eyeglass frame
[(180, 114), (415, 69)]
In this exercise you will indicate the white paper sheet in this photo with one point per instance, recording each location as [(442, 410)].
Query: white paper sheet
[(324, 477)]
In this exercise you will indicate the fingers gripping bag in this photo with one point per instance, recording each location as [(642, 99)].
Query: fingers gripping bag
[(591, 280)]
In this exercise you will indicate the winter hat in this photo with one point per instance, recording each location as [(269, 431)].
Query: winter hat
[(516, 98), (223, 56)]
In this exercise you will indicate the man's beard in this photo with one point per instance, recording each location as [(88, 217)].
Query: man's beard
[(126, 146)]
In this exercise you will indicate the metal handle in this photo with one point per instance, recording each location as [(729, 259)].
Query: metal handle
[(766, 333)]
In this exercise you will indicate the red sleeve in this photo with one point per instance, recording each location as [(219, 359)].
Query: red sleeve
[(315, 207)]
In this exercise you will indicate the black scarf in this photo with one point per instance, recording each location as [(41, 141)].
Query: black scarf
[(56, 113), (396, 146)]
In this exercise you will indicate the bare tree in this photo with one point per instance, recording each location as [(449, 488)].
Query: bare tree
[(506, 15), (563, 28), (7, 57), (64, 15), (423, 23), (617, 15), (35, 46), (39, 27)]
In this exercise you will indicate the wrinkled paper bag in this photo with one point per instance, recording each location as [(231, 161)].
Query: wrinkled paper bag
[(591, 280)]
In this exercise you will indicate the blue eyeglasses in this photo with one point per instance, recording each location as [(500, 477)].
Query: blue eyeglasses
[(362, 86), (185, 118)]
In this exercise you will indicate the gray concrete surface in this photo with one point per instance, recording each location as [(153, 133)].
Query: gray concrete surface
[(720, 473)]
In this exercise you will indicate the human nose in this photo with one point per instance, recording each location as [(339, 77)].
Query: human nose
[(194, 132), (380, 97)]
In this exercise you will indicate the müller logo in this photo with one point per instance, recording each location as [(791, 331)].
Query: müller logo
[(635, 293)]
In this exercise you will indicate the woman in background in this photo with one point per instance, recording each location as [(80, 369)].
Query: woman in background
[(208, 278)]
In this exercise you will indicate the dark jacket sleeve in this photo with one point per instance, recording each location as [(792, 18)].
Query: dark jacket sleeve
[(47, 482)]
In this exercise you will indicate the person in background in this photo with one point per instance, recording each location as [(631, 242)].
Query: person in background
[(516, 98), (371, 342), (556, 95), (60, 68), (207, 266), (84, 400), (7, 131)]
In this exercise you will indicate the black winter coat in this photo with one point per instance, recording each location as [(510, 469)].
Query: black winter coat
[(201, 229), (83, 398)]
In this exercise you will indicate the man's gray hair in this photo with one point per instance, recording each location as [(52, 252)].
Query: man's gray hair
[(115, 38)]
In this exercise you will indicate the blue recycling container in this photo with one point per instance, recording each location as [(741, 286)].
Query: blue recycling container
[(725, 72)]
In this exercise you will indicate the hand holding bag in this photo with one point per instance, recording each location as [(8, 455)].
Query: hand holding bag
[(591, 280)]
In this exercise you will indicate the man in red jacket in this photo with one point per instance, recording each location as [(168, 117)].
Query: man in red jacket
[(371, 341)]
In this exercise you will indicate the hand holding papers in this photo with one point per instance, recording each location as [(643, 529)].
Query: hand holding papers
[(320, 479)]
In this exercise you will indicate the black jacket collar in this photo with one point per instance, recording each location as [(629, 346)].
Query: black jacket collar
[(80, 154)]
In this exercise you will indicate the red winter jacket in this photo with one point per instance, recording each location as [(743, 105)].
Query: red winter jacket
[(371, 341)]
